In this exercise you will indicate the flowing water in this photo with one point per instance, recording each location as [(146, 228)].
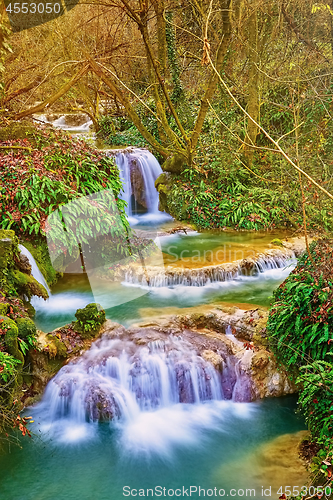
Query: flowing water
[(124, 419), (129, 302), (144, 166)]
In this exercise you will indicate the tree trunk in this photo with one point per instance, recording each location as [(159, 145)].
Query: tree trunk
[(212, 82), (129, 108), (253, 85)]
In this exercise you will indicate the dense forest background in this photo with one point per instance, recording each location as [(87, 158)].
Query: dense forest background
[(183, 78)]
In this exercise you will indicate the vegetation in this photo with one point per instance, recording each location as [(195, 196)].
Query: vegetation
[(17, 332), (89, 320), (235, 99), (300, 328)]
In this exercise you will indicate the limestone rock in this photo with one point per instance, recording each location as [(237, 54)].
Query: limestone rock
[(215, 359)]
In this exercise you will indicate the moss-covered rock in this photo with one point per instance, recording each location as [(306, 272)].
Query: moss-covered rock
[(277, 242), (3, 308), (175, 164), (8, 248), (23, 263), (89, 320), (9, 329), (56, 347), (28, 285), (163, 185), (25, 327)]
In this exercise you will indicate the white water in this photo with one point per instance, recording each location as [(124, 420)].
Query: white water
[(149, 169), (265, 267), (63, 123), (142, 389), (34, 268)]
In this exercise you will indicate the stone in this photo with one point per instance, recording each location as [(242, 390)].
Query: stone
[(138, 185), (26, 327), (174, 164), (215, 359), (8, 326), (89, 320), (23, 264)]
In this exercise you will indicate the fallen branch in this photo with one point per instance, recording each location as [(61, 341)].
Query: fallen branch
[(48, 102)]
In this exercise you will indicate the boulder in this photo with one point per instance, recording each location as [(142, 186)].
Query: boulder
[(138, 185)]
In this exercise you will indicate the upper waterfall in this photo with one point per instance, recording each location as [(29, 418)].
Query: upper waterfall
[(139, 170)]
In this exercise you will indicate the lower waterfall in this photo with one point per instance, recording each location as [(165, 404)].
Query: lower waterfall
[(126, 384)]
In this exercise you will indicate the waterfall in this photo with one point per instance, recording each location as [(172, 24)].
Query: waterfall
[(139, 170), (70, 122), (205, 276), (116, 379), (34, 268)]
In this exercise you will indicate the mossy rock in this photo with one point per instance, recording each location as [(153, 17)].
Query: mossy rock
[(260, 334), (8, 248), (3, 308), (9, 326), (28, 285), (277, 242), (25, 327), (175, 164), (89, 320), (163, 180), (30, 309), (56, 347)]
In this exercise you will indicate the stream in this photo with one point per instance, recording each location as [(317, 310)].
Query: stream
[(162, 434)]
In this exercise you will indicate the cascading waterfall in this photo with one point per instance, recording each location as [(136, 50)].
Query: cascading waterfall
[(141, 165), (116, 379), (34, 268), (78, 123), (142, 389), (204, 276)]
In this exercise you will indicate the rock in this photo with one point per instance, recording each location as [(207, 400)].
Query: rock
[(28, 285), (89, 320), (25, 327), (8, 247), (174, 164), (277, 242), (163, 185), (215, 359), (23, 264), (138, 185), (10, 331)]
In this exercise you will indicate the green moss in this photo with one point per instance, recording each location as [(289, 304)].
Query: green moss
[(25, 327), (27, 285), (3, 309), (8, 248), (89, 320), (56, 347), (277, 242), (10, 331)]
